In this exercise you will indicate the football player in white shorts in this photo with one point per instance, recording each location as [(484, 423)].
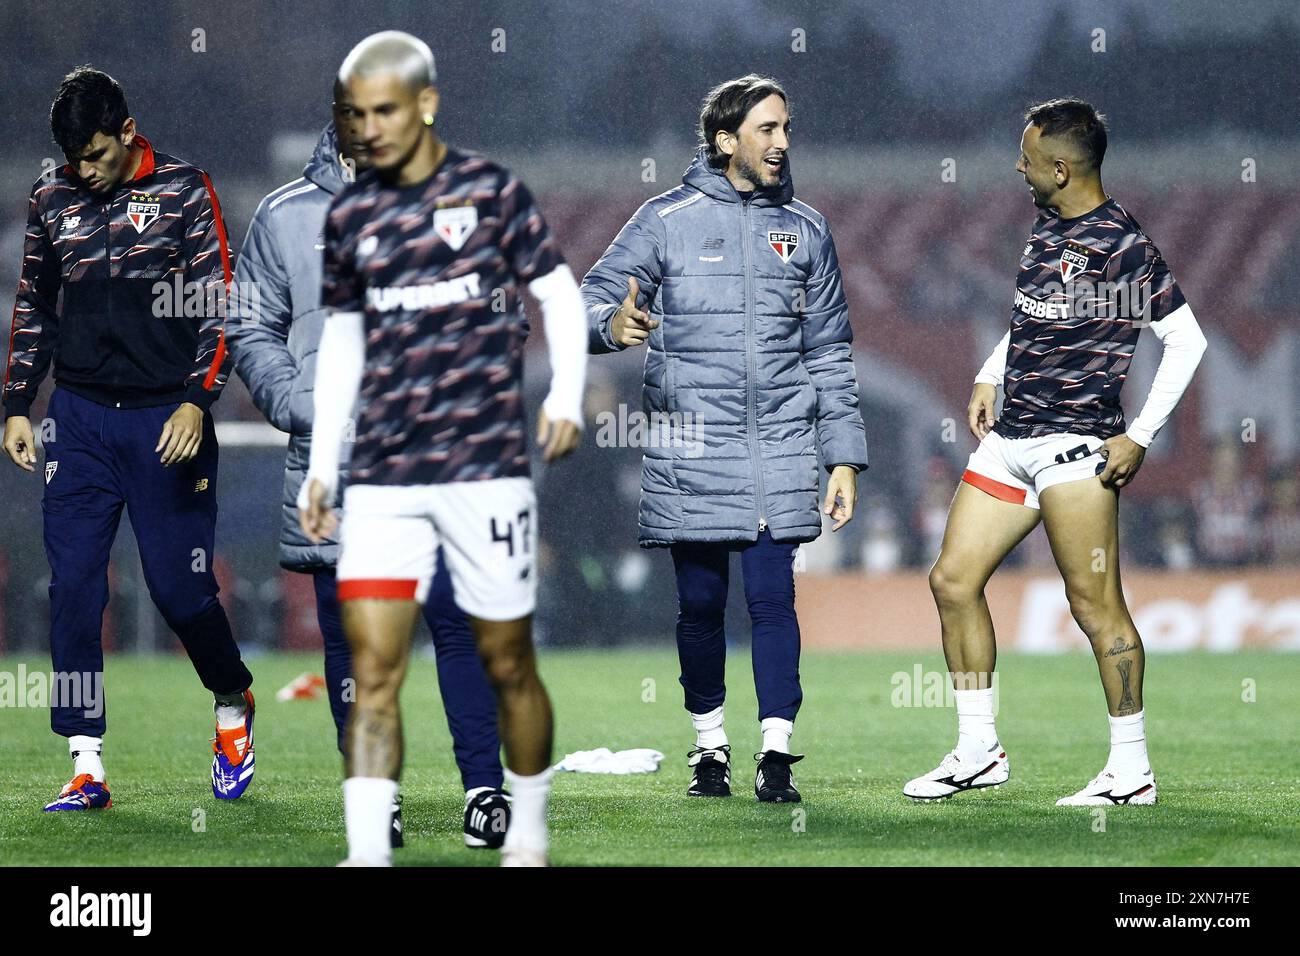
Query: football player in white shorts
[(1089, 281), (426, 255)]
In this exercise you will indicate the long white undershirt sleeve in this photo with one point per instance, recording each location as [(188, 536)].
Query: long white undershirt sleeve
[(565, 320), (1184, 344), (340, 363), (995, 365)]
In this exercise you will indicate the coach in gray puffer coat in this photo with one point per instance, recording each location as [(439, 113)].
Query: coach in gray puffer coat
[(765, 380), (288, 225)]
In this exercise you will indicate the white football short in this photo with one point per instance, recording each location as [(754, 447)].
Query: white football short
[(390, 535), (1019, 469)]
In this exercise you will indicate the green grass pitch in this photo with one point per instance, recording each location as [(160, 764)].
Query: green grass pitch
[(1227, 770)]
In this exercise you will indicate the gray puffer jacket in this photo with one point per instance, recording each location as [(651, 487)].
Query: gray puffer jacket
[(751, 358), (274, 341)]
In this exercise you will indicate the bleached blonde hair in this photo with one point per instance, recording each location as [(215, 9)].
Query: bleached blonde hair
[(391, 51)]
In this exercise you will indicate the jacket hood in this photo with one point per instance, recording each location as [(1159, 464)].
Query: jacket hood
[(714, 183), (324, 168)]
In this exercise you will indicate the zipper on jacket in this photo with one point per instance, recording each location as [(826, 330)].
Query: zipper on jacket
[(751, 374), (108, 285)]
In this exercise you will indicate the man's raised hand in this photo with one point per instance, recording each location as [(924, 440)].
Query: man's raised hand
[(629, 325)]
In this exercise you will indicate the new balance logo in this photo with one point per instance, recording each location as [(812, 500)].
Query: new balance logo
[(201, 485)]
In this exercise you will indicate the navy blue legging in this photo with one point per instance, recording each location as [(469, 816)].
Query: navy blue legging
[(702, 577), (466, 695), (99, 460)]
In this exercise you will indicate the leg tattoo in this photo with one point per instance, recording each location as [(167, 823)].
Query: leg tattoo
[(1121, 647), (376, 744), (1126, 705)]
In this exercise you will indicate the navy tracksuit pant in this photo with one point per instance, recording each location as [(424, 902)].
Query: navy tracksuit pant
[(702, 578), (466, 695), (99, 459)]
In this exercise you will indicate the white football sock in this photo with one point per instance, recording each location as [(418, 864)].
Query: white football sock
[(231, 710), (368, 816), (527, 830), (976, 735), (776, 734), (708, 729), (1128, 745), (85, 756)]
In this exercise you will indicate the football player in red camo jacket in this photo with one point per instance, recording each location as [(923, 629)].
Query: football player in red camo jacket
[(119, 231)]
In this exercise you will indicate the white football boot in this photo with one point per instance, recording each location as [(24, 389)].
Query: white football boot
[(1108, 790), (955, 775)]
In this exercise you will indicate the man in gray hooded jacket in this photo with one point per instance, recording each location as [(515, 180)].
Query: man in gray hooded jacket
[(273, 342), (749, 367)]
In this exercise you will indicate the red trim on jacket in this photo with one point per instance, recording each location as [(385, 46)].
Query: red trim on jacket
[(9, 356), (217, 361), (221, 227), (146, 166), (220, 355)]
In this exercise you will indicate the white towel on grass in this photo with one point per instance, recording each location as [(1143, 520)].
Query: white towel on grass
[(604, 760)]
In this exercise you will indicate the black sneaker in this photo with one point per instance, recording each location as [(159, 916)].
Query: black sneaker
[(774, 783), (487, 817), (712, 772), (395, 833)]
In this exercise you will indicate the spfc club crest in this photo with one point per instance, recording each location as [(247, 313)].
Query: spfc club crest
[(1073, 260), (142, 210), (454, 224), (783, 244), (50, 468)]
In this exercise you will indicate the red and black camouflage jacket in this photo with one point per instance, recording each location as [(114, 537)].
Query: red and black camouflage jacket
[(142, 272)]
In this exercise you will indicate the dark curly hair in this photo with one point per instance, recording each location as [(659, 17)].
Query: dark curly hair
[(89, 101)]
